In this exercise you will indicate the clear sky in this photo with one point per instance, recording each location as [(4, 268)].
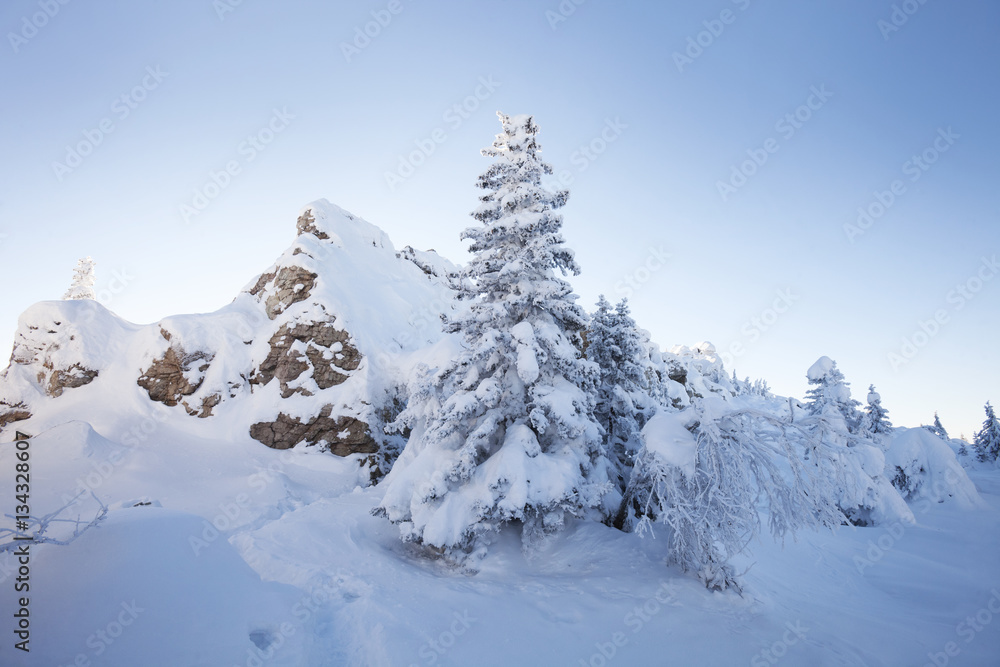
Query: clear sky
[(714, 151)]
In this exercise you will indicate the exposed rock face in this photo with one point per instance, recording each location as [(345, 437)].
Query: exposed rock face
[(13, 413), (306, 224), (45, 348), (289, 285), (170, 378), (344, 435), (318, 347), (65, 378)]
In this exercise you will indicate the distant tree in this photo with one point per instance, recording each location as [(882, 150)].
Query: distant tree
[(505, 432), (987, 441), (842, 451), (83, 281), (875, 422), (938, 428), (831, 394)]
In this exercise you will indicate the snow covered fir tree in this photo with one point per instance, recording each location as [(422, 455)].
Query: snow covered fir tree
[(623, 402), (361, 430), (987, 441), (82, 286), (875, 422), (507, 431)]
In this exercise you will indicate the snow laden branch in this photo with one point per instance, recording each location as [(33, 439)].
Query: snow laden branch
[(38, 527), (709, 484)]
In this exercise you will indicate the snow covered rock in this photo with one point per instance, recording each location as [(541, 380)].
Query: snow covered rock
[(317, 349)]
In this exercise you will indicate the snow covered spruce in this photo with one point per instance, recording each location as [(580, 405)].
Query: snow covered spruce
[(506, 431), (82, 286)]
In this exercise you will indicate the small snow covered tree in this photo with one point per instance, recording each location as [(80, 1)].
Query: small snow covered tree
[(937, 429), (831, 394), (875, 423), (987, 441), (622, 406), (83, 281), (505, 432), (853, 466)]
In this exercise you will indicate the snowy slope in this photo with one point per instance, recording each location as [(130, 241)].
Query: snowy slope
[(346, 591)]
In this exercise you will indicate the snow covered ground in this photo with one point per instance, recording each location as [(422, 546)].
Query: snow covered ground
[(295, 571)]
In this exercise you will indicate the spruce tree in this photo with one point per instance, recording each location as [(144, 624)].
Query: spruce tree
[(505, 432), (938, 428), (875, 423), (987, 442), (82, 286), (830, 395), (615, 345)]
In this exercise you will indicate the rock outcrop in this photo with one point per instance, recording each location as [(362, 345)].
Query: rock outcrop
[(175, 375), (341, 435), (317, 347)]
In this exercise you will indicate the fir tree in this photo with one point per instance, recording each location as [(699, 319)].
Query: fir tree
[(987, 441), (83, 280), (938, 428), (831, 394), (505, 432), (615, 345), (875, 423)]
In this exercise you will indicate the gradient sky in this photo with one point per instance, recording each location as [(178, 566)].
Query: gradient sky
[(678, 129)]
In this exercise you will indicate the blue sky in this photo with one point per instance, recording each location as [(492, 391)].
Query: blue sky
[(645, 108)]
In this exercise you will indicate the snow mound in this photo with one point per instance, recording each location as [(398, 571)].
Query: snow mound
[(666, 436), (923, 467), (820, 369), (133, 592)]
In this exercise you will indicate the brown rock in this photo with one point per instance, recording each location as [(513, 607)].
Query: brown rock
[(306, 224), (329, 367), (68, 378), (289, 285), (16, 412), (343, 435), (207, 404), (164, 379)]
